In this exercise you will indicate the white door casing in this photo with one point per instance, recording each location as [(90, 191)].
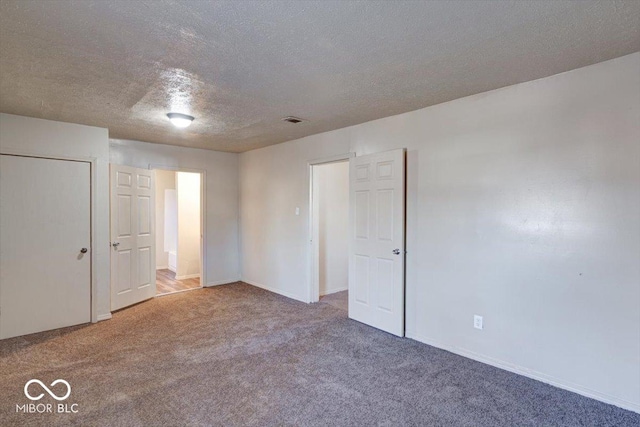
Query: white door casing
[(133, 258), (45, 222), (314, 218), (329, 219), (377, 241)]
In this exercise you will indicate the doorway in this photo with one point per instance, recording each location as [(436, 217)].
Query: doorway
[(178, 231), (375, 184), (329, 230)]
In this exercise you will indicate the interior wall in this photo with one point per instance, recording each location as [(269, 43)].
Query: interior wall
[(331, 190), (274, 240), (188, 195), (171, 228), (221, 256), (522, 207), (165, 180), (25, 135)]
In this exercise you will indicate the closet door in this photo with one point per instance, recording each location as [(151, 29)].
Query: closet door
[(45, 236)]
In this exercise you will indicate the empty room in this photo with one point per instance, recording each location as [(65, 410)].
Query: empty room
[(319, 213)]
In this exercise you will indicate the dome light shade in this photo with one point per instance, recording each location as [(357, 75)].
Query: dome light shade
[(180, 120)]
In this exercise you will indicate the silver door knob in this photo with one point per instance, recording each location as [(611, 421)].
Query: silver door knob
[(396, 251), (83, 250), (116, 244)]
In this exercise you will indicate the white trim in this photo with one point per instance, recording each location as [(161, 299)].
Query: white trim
[(93, 185), (313, 284), (94, 245), (274, 290), (203, 211), (188, 276), (332, 159), (314, 256), (102, 317), (162, 267), (539, 376), (221, 282)]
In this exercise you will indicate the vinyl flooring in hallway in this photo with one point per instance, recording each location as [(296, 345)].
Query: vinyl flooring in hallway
[(166, 282)]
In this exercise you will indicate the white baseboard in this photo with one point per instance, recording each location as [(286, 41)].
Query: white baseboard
[(333, 291), (188, 276), (221, 282), (105, 316), (275, 291), (539, 376), (162, 267)]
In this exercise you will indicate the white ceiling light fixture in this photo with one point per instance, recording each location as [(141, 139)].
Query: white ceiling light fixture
[(180, 120)]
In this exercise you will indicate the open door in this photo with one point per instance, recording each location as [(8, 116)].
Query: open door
[(376, 244), (133, 258)]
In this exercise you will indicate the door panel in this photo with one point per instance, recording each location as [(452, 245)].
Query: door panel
[(384, 205), (360, 290), (362, 215), (132, 236), (144, 272), (45, 220), (385, 284), (376, 250), (123, 283)]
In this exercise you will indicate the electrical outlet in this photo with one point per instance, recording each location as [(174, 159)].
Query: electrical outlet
[(477, 321), (297, 211)]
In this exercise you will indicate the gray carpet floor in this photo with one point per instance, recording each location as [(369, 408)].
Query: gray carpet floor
[(238, 355)]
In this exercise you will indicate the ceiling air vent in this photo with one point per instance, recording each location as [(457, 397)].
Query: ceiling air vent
[(292, 119)]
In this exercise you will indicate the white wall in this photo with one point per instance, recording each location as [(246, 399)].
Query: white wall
[(188, 195), (171, 228), (25, 135), (221, 190), (523, 206), (331, 191), (274, 240), (165, 180)]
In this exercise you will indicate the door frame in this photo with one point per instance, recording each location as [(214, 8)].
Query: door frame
[(203, 219), (93, 174), (313, 282)]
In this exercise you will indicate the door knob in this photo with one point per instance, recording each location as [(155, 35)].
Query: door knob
[(396, 251), (83, 250), (115, 245)]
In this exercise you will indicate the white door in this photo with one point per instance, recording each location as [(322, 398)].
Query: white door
[(376, 244), (133, 257), (45, 222)]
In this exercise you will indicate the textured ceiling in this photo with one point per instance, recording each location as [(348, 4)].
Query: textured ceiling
[(239, 67)]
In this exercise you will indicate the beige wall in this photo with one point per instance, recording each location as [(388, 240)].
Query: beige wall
[(165, 180), (188, 196), (523, 206)]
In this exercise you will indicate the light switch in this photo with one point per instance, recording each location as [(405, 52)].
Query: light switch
[(297, 211)]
